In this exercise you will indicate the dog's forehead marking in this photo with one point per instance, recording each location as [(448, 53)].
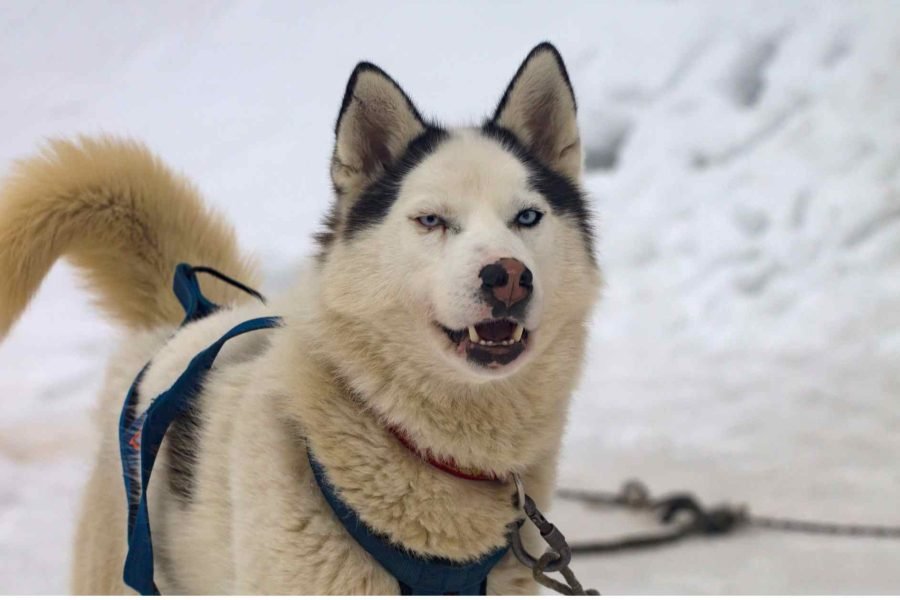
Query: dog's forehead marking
[(467, 168)]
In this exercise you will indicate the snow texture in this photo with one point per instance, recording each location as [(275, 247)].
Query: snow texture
[(744, 164)]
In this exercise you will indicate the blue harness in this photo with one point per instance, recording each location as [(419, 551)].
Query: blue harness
[(140, 437)]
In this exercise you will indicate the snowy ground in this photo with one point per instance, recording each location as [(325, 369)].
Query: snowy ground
[(745, 164)]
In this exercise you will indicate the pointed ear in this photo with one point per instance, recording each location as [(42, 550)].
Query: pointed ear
[(376, 123), (539, 108)]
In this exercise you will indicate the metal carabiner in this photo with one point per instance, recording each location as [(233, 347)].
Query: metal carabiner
[(553, 536)]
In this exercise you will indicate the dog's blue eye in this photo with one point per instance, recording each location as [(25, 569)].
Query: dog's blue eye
[(528, 218), (431, 221)]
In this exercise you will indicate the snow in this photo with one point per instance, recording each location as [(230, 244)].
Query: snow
[(745, 169)]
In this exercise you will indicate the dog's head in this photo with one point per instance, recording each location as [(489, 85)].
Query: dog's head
[(464, 251)]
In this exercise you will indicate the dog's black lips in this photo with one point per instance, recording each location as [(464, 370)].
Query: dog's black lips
[(455, 336)]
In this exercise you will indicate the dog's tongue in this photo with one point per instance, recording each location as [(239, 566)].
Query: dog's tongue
[(495, 331)]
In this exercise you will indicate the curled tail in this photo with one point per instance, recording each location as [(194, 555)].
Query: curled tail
[(123, 218)]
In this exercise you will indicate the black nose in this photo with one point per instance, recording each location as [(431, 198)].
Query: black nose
[(508, 280), (494, 275)]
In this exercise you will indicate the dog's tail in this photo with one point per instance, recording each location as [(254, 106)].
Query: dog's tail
[(123, 218)]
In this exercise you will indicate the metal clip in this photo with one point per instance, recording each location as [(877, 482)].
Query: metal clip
[(553, 536)]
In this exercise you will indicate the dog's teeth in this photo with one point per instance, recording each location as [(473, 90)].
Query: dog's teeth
[(520, 330), (473, 335)]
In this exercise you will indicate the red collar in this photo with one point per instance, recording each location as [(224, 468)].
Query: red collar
[(447, 465)]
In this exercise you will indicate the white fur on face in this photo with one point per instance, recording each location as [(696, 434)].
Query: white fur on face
[(409, 282), (478, 188)]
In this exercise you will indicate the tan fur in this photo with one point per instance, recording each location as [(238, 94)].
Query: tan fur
[(119, 215), (358, 350)]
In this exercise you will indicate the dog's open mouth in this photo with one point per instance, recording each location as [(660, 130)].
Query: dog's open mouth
[(492, 343)]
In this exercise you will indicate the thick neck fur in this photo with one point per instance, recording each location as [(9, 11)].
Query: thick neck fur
[(351, 387), (501, 426)]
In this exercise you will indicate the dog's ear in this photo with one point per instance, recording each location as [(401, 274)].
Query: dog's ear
[(376, 123), (539, 108)]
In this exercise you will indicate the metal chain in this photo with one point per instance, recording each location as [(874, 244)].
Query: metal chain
[(716, 521), (636, 496), (555, 559)]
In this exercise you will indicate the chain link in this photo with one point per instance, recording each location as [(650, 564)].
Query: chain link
[(572, 587), (555, 559)]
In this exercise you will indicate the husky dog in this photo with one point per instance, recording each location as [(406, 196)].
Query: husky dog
[(444, 317)]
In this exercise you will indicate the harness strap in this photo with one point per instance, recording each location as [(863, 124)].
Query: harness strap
[(418, 575), (140, 437)]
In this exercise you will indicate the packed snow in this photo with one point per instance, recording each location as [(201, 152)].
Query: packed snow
[(744, 163)]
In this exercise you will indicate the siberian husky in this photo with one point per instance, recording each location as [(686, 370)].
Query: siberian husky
[(443, 323)]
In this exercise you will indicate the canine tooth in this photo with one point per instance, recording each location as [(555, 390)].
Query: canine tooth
[(520, 329), (473, 335)]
